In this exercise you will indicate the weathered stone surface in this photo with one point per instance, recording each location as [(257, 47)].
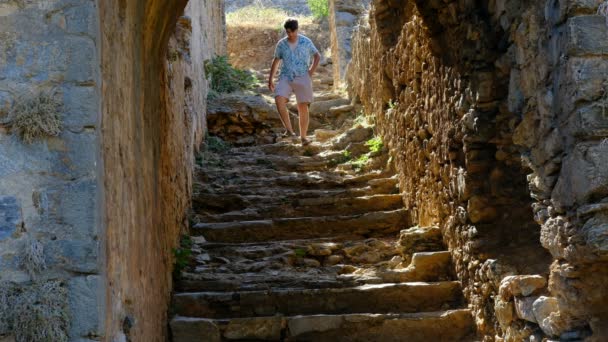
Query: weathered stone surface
[(504, 312), (85, 312), (521, 285), (523, 308), (254, 328), (587, 34), (543, 309), (192, 329), (10, 216), (153, 120)]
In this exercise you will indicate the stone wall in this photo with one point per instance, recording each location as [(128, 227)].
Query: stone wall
[(49, 189), (98, 208), (153, 109), (343, 17), (494, 113), (290, 6)]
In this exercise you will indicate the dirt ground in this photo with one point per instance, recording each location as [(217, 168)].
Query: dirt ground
[(253, 47)]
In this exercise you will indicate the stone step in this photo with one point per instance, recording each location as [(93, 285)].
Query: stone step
[(440, 326), (328, 206), (379, 298), (380, 185), (320, 264), (371, 224)]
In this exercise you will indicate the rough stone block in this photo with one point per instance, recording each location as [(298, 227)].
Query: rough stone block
[(71, 207), (589, 121), (83, 296), (10, 216), (595, 232), (523, 308), (582, 80), (80, 105), (587, 35), (504, 312), (525, 285), (71, 255), (584, 175), (195, 329), (262, 328), (82, 60), (81, 19), (74, 154), (543, 307)]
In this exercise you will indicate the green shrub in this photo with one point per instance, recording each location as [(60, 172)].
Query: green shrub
[(225, 78), (360, 162), (36, 116), (375, 144), (319, 8), (182, 255)]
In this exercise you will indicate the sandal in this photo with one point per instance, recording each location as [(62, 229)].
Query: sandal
[(305, 142), (288, 134)]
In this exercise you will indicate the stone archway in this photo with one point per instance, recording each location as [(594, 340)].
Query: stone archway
[(153, 96)]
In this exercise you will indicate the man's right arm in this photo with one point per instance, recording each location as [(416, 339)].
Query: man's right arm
[(273, 70)]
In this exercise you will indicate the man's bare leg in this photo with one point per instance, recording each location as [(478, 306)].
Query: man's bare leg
[(303, 114), (281, 103)]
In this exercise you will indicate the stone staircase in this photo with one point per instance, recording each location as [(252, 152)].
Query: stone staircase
[(294, 244)]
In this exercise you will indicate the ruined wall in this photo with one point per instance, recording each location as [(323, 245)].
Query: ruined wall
[(49, 231), (153, 118), (494, 113), (343, 17)]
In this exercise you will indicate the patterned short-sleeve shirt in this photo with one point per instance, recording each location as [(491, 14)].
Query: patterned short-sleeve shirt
[(295, 62)]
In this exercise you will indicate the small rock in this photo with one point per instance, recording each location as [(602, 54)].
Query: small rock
[(347, 269), (310, 262), (370, 257), (521, 285), (504, 313), (543, 307), (523, 308), (333, 260), (335, 111), (322, 135), (395, 261), (318, 249)]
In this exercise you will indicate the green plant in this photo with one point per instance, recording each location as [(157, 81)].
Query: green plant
[(392, 104), (182, 254), (375, 144), (345, 157), (308, 152), (319, 8), (225, 78), (216, 145), (360, 162), (36, 116), (300, 252)]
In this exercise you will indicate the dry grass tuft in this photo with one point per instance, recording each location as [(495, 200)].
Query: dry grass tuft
[(260, 16), (33, 260), (36, 116), (38, 312), (7, 297)]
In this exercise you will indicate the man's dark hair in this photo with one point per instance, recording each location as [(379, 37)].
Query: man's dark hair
[(291, 24)]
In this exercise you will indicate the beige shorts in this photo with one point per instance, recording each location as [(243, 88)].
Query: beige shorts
[(301, 86)]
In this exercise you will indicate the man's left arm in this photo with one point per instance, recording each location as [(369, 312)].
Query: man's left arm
[(315, 63)]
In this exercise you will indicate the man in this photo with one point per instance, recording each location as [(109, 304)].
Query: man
[(295, 52)]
